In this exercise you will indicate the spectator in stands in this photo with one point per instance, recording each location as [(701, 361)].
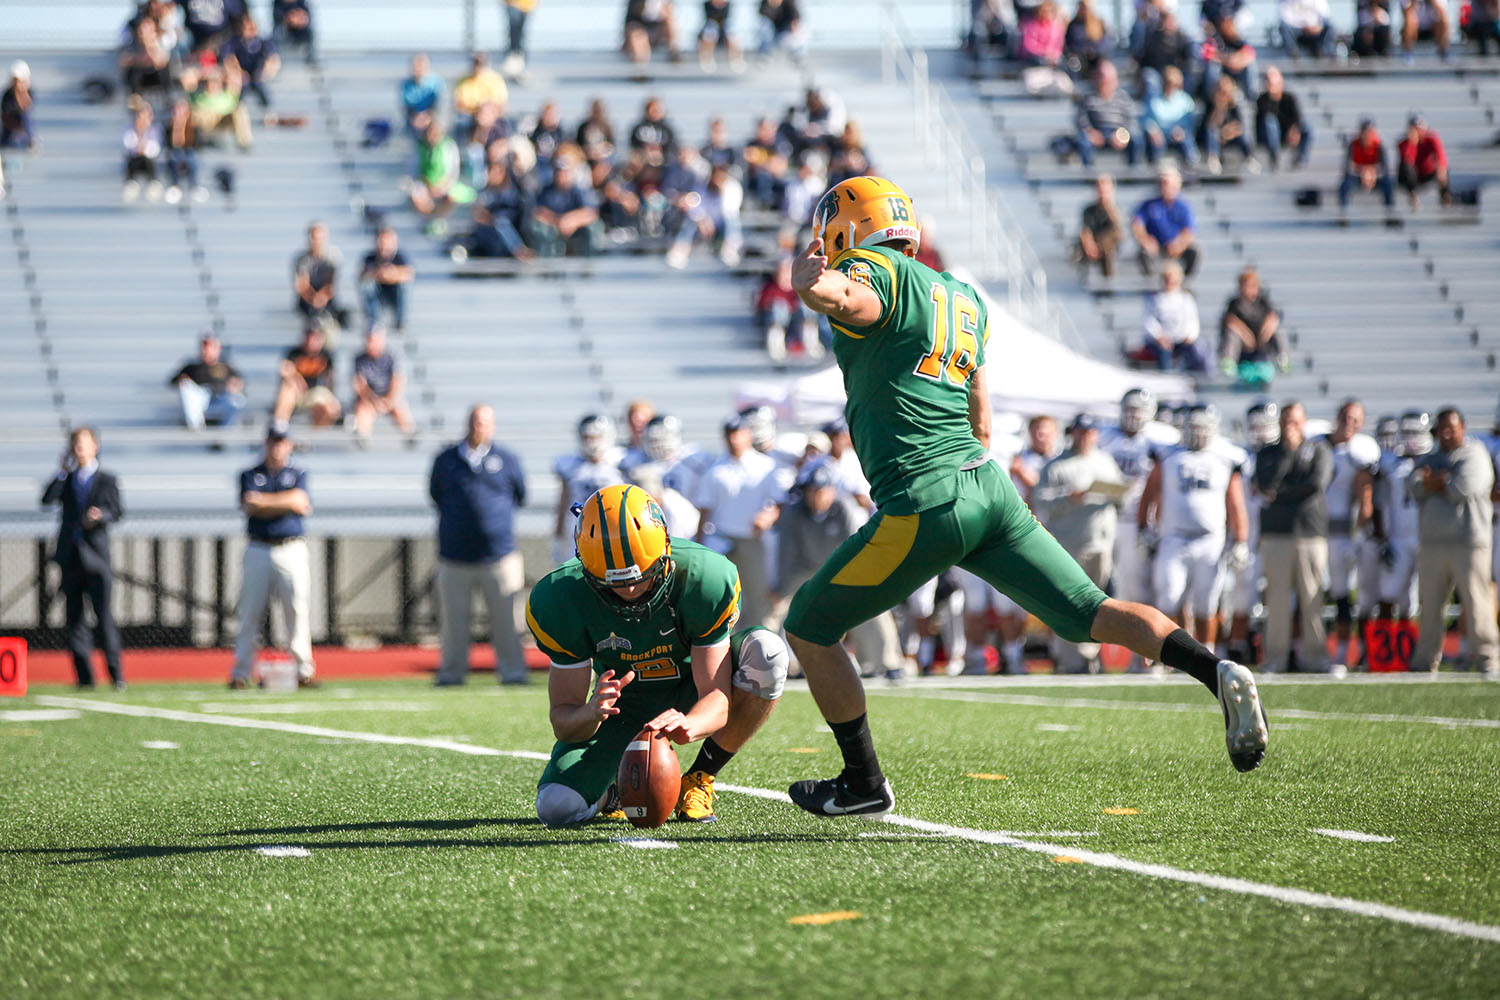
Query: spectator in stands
[(15, 109), (1306, 28), (275, 500), (654, 127), (1169, 121), (1365, 166), (142, 144), (1424, 19), (291, 22), (779, 311), (1106, 119), (719, 151), (500, 212), (478, 486), (736, 499), (1421, 160), (379, 386), (517, 12), (547, 136), (145, 61), (1223, 125), (1225, 52), (565, 219), (715, 216), (1250, 344), (383, 279), (90, 500), (595, 135), (210, 390), (209, 23), (781, 28), (214, 97), (421, 96), (1372, 29), (1291, 477), (619, 204), (254, 58), (439, 187), (989, 27), (650, 25), (1452, 485), (1086, 41), (1164, 227), (307, 383), (1100, 230), (1171, 324), (315, 274), (180, 142), (1074, 500), (766, 158), (481, 86), (1484, 25), (1279, 122), (1164, 45), (802, 191), (715, 35), (1041, 41), (816, 122)]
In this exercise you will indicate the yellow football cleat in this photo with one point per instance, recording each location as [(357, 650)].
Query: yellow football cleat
[(696, 803), (610, 808)]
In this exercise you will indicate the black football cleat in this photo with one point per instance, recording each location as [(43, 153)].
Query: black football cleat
[(831, 797)]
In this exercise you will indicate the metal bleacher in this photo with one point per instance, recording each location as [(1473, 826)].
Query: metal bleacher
[(1399, 315), (107, 298)]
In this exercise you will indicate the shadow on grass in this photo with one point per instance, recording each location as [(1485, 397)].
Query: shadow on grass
[(391, 824), (591, 835)]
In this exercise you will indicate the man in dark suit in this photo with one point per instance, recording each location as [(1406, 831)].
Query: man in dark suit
[(90, 501)]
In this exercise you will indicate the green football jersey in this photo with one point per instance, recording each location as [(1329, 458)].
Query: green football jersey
[(572, 624), (907, 377)]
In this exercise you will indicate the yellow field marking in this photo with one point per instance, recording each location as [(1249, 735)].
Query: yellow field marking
[(818, 919), (1120, 811), (1067, 859), (803, 750), (987, 777)]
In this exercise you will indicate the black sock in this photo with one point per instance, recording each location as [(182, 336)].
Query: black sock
[(711, 757), (861, 769), (1182, 652)]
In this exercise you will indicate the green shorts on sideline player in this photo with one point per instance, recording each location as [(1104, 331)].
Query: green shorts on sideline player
[(987, 529)]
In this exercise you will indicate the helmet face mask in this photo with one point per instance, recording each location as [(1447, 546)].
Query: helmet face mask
[(621, 540), (1200, 428), (596, 435), (663, 438), (761, 422), (1416, 433), (1263, 424), (1388, 433), (1136, 409)]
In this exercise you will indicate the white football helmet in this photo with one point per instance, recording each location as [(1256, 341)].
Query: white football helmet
[(761, 422), (1263, 424), (1201, 426), (662, 439), (1388, 433), (1137, 407), (596, 435), (1416, 433)]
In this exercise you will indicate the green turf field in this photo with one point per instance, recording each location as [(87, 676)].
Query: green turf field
[(129, 861)]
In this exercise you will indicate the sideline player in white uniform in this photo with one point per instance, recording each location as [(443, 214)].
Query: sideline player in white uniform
[(1353, 558), (671, 472), (1194, 491), (594, 466), (1132, 445), (1262, 427), (1492, 442), (1398, 517)]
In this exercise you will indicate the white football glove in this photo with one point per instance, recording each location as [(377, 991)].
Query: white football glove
[(1239, 556)]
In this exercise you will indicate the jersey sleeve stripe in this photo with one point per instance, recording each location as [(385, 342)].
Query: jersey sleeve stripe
[(846, 331), (728, 614), (572, 666), (542, 636)]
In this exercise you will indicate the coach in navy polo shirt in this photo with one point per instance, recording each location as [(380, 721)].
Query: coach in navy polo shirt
[(477, 487), (274, 497)]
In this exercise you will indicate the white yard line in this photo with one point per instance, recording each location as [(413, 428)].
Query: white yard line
[(1299, 897), (310, 707), (1356, 835), (646, 843), (1206, 705), (1171, 678)]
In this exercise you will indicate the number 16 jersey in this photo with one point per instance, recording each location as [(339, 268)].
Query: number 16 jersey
[(907, 377)]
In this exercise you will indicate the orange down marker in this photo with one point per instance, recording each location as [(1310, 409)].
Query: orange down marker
[(12, 667)]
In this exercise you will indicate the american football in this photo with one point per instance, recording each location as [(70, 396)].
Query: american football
[(650, 780)]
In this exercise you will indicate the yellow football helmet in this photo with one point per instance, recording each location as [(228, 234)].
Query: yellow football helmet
[(621, 539), (864, 211)]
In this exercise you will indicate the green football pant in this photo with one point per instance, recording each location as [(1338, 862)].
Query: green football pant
[(987, 529)]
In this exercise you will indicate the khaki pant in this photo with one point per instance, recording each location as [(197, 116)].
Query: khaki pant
[(749, 557), (206, 120), (282, 570), (1071, 657), (500, 581), (1294, 568), (1442, 568)]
